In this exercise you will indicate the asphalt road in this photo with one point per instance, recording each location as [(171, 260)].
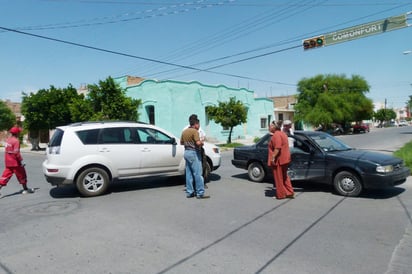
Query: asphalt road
[(150, 227)]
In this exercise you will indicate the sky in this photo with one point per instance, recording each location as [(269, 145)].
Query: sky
[(252, 44)]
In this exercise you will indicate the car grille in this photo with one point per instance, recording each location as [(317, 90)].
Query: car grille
[(397, 166)]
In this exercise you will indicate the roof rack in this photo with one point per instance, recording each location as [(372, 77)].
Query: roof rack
[(103, 122)]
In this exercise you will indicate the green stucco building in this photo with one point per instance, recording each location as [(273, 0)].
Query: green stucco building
[(168, 104)]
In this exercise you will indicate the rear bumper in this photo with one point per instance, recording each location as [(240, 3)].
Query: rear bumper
[(56, 175), (57, 181), (240, 163)]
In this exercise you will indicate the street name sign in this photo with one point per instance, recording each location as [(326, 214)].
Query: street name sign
[(364, 30)]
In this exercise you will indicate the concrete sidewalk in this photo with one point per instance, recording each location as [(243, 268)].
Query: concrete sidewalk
[(401, 257)]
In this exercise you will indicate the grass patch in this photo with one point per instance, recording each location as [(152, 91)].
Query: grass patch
[(231, 145), (405, 153)]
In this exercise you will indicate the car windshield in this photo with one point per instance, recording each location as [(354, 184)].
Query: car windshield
[(330, 143)]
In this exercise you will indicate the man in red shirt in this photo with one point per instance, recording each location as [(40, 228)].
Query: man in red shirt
[(14, 162)]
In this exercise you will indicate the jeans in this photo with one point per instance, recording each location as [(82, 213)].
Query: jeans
[(194, 170)]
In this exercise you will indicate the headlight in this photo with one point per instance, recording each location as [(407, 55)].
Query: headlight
[(216, 150), (384, 169)]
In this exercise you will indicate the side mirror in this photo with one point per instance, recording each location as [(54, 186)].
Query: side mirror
[(173, 141)]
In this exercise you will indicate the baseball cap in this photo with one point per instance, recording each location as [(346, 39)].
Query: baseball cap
[(15, 130)]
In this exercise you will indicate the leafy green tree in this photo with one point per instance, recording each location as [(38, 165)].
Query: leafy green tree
[(7, 118), (48, 108), (228, 114), (409, 105), (383, 115), (326, 99), (106, 101)]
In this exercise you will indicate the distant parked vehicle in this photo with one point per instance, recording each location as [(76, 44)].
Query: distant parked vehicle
[(360, 128), (403, 123)]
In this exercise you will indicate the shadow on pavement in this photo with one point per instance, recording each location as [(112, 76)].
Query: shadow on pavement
[(70, 191)]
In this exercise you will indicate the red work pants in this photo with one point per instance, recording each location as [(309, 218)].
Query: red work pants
[(282, 181), (8, 172)]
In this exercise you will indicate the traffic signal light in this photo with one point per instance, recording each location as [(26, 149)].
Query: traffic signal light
[(314, 42)]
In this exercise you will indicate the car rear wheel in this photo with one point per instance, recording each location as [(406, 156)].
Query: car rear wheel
[(256, 172), (347, 183), (92, 182)]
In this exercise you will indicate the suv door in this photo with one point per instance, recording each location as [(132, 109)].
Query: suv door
[(159, 152), (118, 145)]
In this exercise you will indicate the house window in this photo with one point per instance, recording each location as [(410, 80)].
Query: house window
[(280, 116), (263, 122), (150, 111)]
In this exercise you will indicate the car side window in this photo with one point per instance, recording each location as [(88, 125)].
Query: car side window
[(88, 137), (299, 145), (264, 141), (152, 136), (118, 135)]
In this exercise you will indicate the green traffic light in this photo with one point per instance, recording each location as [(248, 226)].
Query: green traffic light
[(319, 41)]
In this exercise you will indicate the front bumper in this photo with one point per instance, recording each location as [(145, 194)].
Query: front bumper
[(380, 181)]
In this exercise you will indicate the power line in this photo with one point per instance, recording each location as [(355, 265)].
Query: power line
[(130, 55), (291, 40), (175, 8), (240, 30)]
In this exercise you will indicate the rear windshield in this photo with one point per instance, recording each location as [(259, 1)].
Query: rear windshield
[(56, 139)]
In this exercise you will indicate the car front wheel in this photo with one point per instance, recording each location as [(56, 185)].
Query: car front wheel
[(207, 169), (92, 182), (256, 172), (347, 183)]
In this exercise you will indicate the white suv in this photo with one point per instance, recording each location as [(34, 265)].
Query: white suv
[(91, 155)]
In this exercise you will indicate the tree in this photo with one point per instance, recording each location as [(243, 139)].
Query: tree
[(228, 114), (327, 99), (7, 118), (106, 101), (383, 115), (409, 105), (46, 109)]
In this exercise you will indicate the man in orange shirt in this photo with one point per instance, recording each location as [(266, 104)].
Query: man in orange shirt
[(279, 158)]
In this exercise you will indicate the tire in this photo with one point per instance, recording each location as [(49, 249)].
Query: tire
[(347, 183), (92, 182), (256, 172), (207, 169)]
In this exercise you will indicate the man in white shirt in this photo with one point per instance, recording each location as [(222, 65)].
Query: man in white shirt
[(287, 128)]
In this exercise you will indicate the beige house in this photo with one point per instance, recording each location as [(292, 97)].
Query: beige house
[(284, 107)]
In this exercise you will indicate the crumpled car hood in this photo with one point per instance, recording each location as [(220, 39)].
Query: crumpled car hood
[(371, 156)]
